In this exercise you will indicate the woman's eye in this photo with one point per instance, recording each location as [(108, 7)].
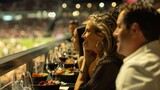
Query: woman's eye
[(118, 26), (87, 30)]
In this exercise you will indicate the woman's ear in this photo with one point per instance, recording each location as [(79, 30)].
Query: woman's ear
[(100, 35)]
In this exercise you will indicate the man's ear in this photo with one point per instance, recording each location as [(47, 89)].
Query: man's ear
[(137, 34), (135, 29)]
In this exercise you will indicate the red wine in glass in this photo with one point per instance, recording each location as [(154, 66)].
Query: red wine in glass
[(69, 65), (52, 66), (75, 58), (63, 59)]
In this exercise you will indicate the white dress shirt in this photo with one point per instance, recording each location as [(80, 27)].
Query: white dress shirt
[(141, 69)]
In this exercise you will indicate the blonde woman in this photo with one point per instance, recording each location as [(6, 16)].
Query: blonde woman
[(101, 64)]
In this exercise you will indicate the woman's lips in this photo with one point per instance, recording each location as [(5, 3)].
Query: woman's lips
[(117, 42)]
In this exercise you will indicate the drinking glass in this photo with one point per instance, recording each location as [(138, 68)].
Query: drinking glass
[(75, 62), (38, 67), (16, 84), (26, 81), (51, 63), (63, 56)]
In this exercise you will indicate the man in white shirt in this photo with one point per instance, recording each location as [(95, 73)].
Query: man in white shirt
[(137, 34)]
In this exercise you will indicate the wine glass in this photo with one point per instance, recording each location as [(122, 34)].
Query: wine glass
[(75, 62), (51, 63), (16, 84), (26, 81), (38, 67), (63, 56)]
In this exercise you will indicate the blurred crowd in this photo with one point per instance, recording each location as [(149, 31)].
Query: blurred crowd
[(7, 5), (25, 29)]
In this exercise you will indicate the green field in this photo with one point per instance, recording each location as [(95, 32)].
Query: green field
[(15, 45)]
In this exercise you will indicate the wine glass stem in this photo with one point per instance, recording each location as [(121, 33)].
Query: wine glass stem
[(63, 65), (54, 76)]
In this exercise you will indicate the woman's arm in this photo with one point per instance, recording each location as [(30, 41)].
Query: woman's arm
[(80, 61), (82, 77), (83, 74)]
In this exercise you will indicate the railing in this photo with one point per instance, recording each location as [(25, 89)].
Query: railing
[(13, 61)]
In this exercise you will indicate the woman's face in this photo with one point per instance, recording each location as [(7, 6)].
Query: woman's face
[(90, 37), (75, 39)]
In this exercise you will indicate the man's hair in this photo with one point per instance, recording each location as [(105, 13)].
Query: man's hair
[(146, 16)]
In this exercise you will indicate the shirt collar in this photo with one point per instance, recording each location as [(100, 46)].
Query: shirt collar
[(144, 48)]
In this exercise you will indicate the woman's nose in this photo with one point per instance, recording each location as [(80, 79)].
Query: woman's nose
[(115, 33)]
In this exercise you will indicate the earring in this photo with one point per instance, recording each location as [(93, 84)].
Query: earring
[(97, 44)]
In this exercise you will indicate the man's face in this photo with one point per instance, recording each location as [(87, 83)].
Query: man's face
[(75, 40), (123, 36)]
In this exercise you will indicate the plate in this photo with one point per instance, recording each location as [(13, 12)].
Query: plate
[(36, 80), (46, 87), (68, 78)]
